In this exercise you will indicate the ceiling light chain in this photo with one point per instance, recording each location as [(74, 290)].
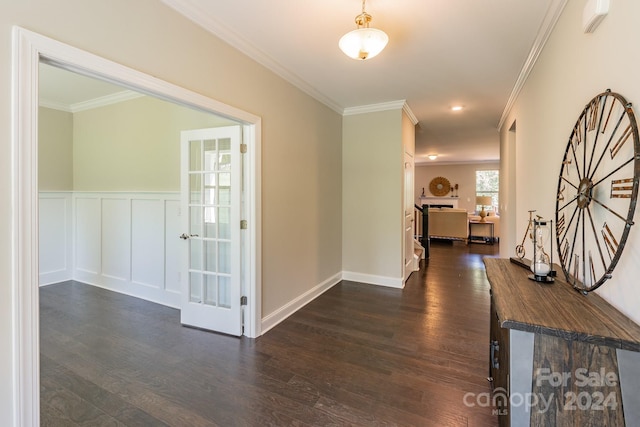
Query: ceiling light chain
[(363, 42), (364, 18)]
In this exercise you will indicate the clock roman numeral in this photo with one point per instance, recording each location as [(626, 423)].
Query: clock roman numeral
[(610, 241), (576, 268), (592, 273), (577, 137), (618, 145), (564, 252), (608, 115), (560, 225), (561, 193), (594, 109), (621, 188)]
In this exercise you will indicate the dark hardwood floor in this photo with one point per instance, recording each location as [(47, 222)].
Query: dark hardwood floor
[(357, 355)]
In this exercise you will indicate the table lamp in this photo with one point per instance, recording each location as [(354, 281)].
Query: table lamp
[(483, 201)]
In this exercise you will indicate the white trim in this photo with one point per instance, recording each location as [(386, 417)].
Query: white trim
[(201, 17), (384, 106), (410, 114), (28, 49), (53, 105), (548, 23), (65, 247), (371, 279), (296, 304), (253, 244), (24, 239), (90, 104), (428, 162), (373, 108), (114, 98)]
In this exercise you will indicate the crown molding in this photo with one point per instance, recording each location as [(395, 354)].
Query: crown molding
[(115, 98), (546, 28), (102, 101), (53, 105), (430, 163), (201, 17), (384, 106)]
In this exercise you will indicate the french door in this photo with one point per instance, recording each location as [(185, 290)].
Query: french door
[(211, 191)]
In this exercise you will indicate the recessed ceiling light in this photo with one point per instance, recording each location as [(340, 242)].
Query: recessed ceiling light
[(456, 108), (432, 156)]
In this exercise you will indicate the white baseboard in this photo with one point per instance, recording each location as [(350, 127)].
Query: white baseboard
[(53, 277), (292, 306), (392, 282)]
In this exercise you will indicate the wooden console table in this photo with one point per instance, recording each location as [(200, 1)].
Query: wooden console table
[(557, 357)]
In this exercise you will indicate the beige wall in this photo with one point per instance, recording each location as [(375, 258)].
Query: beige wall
[(301, 162), (372, 175), (55, 150), (133, 145), (572, 69), (408, 134), (462, 174)]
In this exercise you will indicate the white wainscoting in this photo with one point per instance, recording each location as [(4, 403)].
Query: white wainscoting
[(125, 242), (56, 226)]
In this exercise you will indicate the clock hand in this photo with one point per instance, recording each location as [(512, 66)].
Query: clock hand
[(595, 168), (595, 233), (569, 182), (614, 171), (629, 223)]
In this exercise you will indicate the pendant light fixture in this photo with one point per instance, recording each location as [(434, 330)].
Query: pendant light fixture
[(363, 42)]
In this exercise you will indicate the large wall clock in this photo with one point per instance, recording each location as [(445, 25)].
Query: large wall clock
[(597, 191)]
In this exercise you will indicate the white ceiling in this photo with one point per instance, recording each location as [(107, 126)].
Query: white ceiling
[(440, 53)]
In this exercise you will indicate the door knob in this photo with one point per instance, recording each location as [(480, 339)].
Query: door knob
[(185, 236)]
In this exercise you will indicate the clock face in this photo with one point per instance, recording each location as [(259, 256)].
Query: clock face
[(597, 191)]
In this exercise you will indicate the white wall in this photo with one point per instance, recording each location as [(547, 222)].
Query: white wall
[(372, 218), (572, 69), (462, 174)]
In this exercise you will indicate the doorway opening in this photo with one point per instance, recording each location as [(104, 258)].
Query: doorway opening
[(29, 50)]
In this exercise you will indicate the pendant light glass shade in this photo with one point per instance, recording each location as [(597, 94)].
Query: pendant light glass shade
[(363, 43)]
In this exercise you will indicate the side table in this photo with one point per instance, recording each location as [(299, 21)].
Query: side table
[(476, 226)]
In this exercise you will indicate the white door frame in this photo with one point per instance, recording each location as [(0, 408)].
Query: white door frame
[(28, 49)]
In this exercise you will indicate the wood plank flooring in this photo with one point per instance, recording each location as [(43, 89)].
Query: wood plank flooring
[(357, 355)]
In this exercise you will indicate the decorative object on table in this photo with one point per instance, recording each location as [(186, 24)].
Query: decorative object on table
[(597, 191), (483, 201), (520, 251), (542, 260), (456, 187), (439, 186), (423, 195)]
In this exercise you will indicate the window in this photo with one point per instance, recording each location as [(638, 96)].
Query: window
[(488, 184)]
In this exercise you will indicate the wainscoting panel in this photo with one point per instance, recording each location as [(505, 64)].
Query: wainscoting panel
[(147, 242), (55, 237), (87, 234), (125, 242), (173, 246), (116, 239)]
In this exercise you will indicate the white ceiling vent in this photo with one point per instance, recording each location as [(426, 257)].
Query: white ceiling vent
[(594, 12)]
